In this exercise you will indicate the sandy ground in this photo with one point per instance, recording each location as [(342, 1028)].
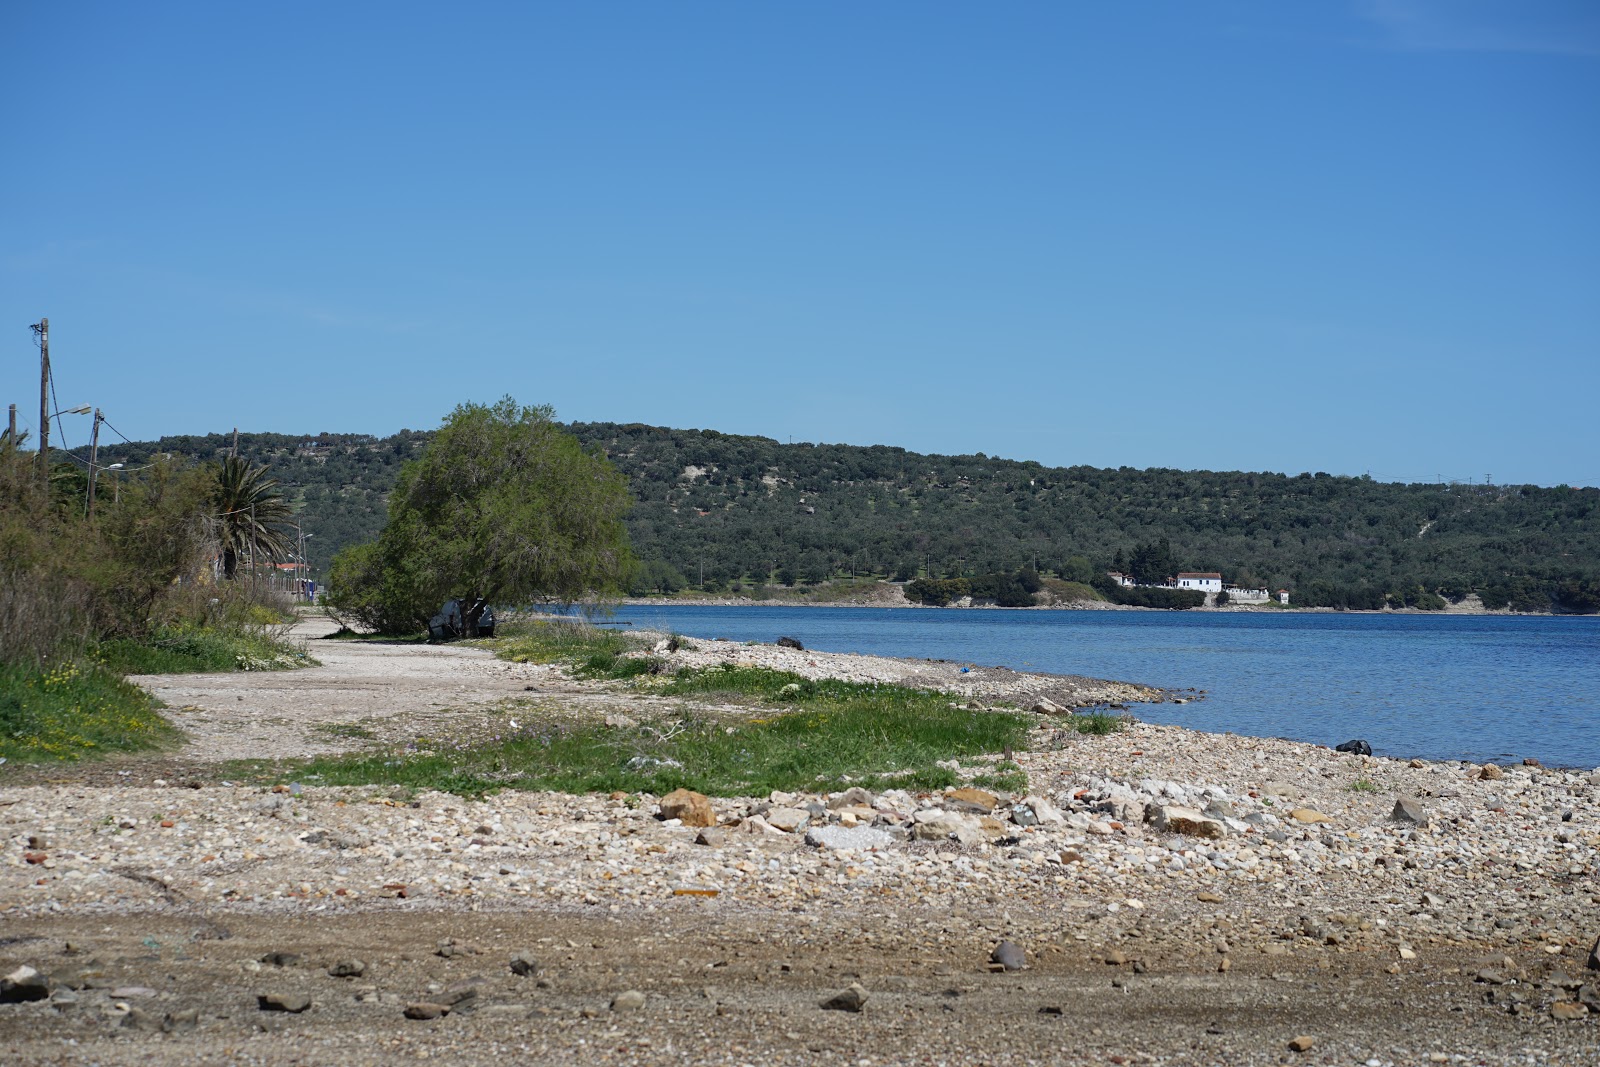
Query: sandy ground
[(151, 890)]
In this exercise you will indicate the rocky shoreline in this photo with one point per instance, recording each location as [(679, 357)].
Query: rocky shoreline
[(1155, 896)]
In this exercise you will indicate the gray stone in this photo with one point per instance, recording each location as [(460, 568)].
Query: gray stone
[(630, 1000), (132, 992), (1009, 956), (1046, 813), (851, 998), (24, 984), (851, 837), (1023, 815), (1409, 809), (853, 797), (524, 965), (788, 819), (1218, 808), (710, 837), (1593, 962), (283, 959), (1279, 789), (348, 969), (289, 1002)]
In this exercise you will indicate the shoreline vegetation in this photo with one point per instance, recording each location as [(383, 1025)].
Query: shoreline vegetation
[(887, 594)]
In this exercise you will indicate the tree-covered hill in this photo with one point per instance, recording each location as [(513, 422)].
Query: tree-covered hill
[(713, 509)]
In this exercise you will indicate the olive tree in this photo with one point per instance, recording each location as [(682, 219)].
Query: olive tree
[(503, 506)]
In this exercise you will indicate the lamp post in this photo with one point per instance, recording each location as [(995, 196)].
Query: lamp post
[(116, 484)]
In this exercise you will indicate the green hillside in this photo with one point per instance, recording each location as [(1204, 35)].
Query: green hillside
[(718, 509)]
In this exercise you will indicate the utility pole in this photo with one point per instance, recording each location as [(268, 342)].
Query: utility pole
[(12, 427), (94, 454), (42, 329), (235, 452)]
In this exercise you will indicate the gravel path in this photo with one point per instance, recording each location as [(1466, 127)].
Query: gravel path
[(1313, 912)]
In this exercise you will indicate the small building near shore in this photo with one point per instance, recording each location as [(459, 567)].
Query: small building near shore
[(1204, 581), (1124, 580), (1283, 596), (1238, 595)]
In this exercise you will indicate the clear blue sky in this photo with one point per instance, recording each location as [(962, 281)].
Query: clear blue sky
[(1231, 235)]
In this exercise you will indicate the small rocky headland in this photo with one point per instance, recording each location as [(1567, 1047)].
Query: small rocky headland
[(1096, 891)]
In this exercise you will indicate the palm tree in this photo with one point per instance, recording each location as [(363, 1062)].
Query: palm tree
[(249, 509)]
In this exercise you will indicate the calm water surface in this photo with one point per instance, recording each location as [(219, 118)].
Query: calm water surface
[(1439, 687)]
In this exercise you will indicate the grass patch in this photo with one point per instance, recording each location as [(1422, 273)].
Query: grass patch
[(830, 734), (70, 711), (344, 729), (1097, 723), (1365, 785), (545, 641), (195, 649)]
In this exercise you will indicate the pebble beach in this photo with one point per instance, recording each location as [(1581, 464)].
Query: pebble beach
[(1233, 898)]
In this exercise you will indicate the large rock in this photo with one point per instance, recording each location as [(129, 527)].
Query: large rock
[(294, 1003), (1593, 963), (852, 837), (1307, 816), (689, 807), (628, 1000), (24, 984), (1409, 809), (1009, 956), (852, 998), (932, 824), (970, 799), (1491, 772), (854, 797), (1177, 819), (1045, 812), (788, 819)]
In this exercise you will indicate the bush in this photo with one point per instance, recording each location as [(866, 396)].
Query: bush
[(1152, 596), (937, 592)]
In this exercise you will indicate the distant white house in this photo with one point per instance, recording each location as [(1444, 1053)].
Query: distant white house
[(1205, 581), (1240, 595), (1283, 596), (1124, 580)]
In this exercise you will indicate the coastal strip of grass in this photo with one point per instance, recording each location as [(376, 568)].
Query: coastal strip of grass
[(200, 649), (817, 735), (562, 641), (68, 711)]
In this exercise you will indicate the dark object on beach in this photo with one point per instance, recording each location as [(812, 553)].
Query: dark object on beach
[(1359, 747), (789, 642), (452, 621)]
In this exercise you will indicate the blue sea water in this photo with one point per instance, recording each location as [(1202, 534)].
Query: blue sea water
[(1440, 687)]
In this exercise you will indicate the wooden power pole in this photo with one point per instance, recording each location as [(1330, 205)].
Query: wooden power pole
[(42, 328)]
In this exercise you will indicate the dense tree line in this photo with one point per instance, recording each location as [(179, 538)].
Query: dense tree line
[(716, 510)]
